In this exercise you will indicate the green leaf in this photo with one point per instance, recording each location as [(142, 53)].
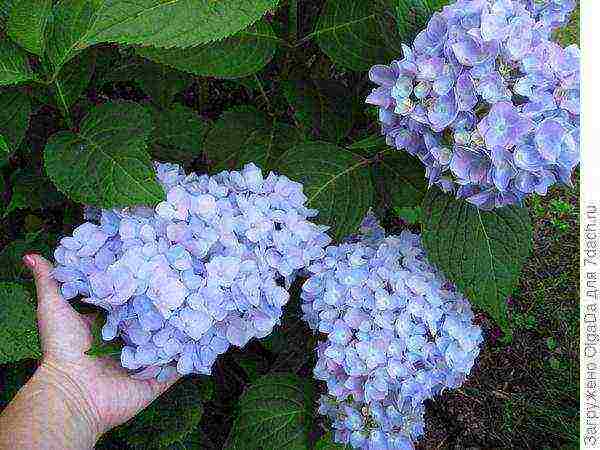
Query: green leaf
[(18, 325), (244, 134), (411, 215), (14, 67), (100, 347), (322, 107), (357, 34), (11, 265), (31, 191), (171, 418), (481, 252), (291, 341), (4, 151), (5, 6), (73, 79), (106, 164), (370, 144), (401, 179), (326, 443), (12, 378), (178, 135), (15, 108), (27, 24), (71, 20), (175, 23), (157, 80), (275, 413), (240, 55), (336, 182)]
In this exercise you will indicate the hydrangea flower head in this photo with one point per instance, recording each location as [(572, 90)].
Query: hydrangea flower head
[(486, 100), (397, 334), (205, 269)]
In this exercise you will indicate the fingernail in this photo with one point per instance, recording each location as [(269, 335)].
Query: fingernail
[(29, 261)]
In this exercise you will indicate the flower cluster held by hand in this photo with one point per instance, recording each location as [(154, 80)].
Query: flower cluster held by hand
[(205, 269), (485, 100), (397, 334)]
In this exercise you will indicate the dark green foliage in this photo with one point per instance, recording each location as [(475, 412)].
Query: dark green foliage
[(18, 330), (336, 182), (482, 252), (357, 34), (171, 420), (243, 54), (108, 153), (274, 413), (244, 135)]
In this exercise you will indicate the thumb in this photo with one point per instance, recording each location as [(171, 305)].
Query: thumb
[(53, 310)]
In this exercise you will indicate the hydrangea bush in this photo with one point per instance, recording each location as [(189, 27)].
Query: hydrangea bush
[(486, 100), (397, 333), (205, 269), (202, 189)]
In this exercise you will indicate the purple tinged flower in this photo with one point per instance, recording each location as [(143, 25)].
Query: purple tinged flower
[(469, 166), (442, 111), (552, 138), (382, 75), (504, 126), (494, 27), (492, 89), (465, 93), (520, 37), (471, 50)]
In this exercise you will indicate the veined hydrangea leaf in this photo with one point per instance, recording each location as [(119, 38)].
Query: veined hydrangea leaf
[(73, 79), (31, 190), (178, 134), (14, 67), (158, 81), (322, 107), (27, 23), (481, 252), (326, 443), (15, 108), (175, 23), (107, 163), (240, 55), (369, 145), (171, 418), (18, 324), (244, 134), (336, 182), (357, 34), (71, 20), (4, 151), (402, 179), (274, 413)]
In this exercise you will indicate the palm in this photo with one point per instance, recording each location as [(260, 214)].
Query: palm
[(114, 396)]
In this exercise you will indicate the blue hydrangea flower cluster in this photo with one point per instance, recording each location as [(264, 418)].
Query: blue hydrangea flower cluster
[(397, 333), (486, 100), (206, 269)]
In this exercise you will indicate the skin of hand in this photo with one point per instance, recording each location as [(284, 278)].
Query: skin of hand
[(72, 399)]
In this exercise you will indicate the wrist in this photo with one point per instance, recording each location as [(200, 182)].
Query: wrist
[(82, 423)]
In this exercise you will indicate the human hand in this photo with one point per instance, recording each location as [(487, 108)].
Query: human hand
[(98, 387)]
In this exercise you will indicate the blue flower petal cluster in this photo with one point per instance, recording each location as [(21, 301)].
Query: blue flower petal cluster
[(397, 333), (486, 100), (206, 269)]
